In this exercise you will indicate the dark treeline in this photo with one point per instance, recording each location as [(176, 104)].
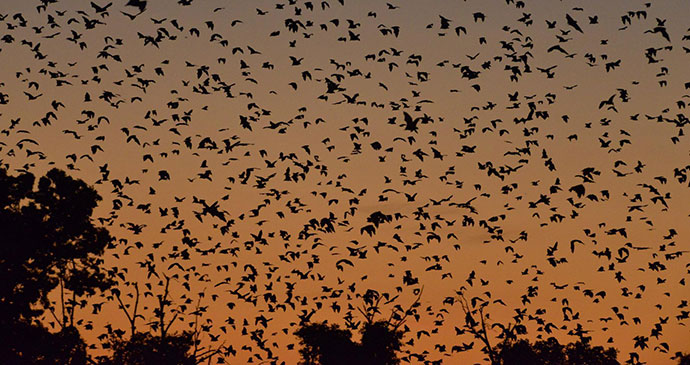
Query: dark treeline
[(49, 243)]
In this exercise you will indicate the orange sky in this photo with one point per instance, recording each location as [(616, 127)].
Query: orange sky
[(358, 158)]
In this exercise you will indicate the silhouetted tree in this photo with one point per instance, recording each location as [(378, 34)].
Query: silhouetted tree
[(325, 344), (510, 350), (380, 343), (158, 346), (381, 340), (581, 352), (27, 343), (48, 241), (477, 321), (144, 348), (551, 352), (540, 353)]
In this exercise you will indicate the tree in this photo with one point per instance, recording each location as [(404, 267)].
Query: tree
[(540, 353), (476, 322), (325, 344), (551, 352), (48, 241), (158, 346), (380, 343), (26, 343), (581, 352), (512, 350), (143, 348)]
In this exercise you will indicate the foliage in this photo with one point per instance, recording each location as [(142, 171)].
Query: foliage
[(514, 351), (541, 352), (48, 241), (581, 352), (143, 348), (325, 344), (158, 346), (380, 343), (33, 344), (551, 352)]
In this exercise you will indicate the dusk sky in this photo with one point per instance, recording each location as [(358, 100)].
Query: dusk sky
[(279, 159)]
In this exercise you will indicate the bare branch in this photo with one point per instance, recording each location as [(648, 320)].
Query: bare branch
[(408, 311)]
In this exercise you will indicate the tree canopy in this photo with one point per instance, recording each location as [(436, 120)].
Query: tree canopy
[(551, 352), (143, 348), (48, 241), (328, 344)]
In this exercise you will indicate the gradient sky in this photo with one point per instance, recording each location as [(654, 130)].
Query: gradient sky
[(613, 101)]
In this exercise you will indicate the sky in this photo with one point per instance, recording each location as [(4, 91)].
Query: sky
[(244, 149)]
